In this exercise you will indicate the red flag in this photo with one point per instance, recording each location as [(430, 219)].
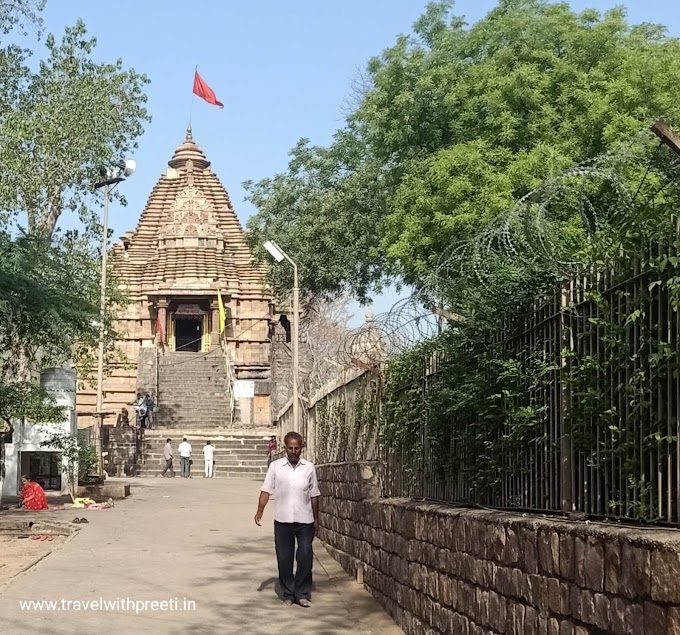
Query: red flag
[(159, 331), (204, 91)]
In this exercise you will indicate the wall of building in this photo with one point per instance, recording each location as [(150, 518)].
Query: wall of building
[(120, 384), (248, 337), (439, 569), (28, 436), (281, 368)]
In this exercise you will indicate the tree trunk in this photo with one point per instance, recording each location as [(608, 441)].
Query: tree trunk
[(73, 481), (3, 437), (50, 215)]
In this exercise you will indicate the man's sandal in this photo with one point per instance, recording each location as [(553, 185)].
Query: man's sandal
[(305, 604)]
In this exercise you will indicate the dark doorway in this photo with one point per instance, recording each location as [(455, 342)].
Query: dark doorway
[(43, 467), (188, 334)]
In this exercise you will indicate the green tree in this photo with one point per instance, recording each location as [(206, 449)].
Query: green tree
[(60, 125), (20, 14), (454, 124), (63, 118), (323, 210), (80, 458), (44, 316)]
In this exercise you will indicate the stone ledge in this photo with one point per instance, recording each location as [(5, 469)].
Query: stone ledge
[(104, 492)]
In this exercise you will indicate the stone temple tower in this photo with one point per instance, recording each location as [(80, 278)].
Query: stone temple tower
[(187, 246)]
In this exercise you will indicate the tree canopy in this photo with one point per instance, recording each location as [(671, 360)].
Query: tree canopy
[(46, 313), (63, 119), (451, 126), (62, 123)]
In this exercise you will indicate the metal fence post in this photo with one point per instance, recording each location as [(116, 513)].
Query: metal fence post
[(566, 446)]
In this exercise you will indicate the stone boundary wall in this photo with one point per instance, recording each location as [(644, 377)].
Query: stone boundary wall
[(124, 447), (442, 569)]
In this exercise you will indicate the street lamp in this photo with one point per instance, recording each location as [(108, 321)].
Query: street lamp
[(279, 255), (114, 175)]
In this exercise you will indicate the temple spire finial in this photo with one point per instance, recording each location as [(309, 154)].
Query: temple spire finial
[(189, 136)]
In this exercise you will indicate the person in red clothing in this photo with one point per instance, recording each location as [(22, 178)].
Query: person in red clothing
[(32, 495)]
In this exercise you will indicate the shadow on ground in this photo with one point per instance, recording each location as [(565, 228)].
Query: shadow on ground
[(184, 539)]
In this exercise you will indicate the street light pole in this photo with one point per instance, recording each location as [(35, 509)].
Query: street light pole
[(99, 418), (114, 176), (278, 254), (296, 350)]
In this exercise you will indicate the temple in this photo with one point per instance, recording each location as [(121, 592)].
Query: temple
[(187, 247)]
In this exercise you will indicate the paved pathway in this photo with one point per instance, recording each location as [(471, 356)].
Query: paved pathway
[(194, 539)]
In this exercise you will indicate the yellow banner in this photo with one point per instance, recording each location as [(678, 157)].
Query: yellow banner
[(223, 315)]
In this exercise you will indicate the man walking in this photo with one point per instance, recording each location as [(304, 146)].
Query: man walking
[(297, 512), (208, 453), (168, 455), (184, 450)]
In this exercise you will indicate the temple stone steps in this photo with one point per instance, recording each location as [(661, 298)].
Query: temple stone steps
[(192, 387), (237, 455), (211, 421), (154, 467), (226, 460), (199, 468)]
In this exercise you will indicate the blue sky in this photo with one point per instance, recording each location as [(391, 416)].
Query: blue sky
[(282, 69)]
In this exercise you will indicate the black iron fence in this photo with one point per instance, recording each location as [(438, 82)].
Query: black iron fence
[(572, 407), (589, 421)]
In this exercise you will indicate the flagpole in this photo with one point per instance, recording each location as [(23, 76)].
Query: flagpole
[(193, 98)]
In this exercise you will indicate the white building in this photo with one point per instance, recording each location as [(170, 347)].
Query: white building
[(26, 455)]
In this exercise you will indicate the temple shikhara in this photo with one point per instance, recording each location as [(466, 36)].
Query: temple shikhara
[(187, 247)]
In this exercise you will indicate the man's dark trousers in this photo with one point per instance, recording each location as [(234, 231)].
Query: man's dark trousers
[(298, 586), (168, 466)]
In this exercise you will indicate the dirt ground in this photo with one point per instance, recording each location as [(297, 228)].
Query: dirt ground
[(20, 548), (19, 554)]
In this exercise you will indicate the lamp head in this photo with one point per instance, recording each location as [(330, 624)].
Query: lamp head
[(274, 250), (127, 167), (130, 167), (116, 173)]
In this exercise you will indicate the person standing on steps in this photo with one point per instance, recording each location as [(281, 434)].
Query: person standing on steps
[(293, 479), (184, 450), (208, 453), (148, 402), (140, 409), (168, 455)]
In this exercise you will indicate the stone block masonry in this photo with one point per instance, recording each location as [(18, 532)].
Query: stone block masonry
[(123, 448), (439, 569)]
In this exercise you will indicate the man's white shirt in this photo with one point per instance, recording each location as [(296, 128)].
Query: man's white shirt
[(184, 449), (294, 487), (208, 451)]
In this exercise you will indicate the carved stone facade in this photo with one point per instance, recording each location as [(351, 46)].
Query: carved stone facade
[(187, 247)]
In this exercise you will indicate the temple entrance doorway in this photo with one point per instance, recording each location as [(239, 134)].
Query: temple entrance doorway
[(188, 334), (189, 326)]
